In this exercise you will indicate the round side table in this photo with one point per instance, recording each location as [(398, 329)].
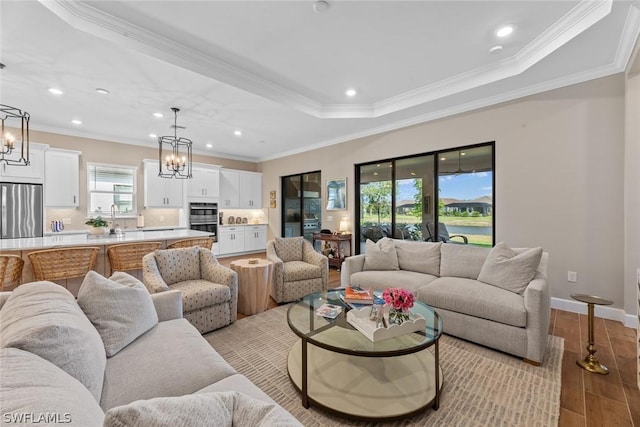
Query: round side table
[(254, 284), (591, 363)]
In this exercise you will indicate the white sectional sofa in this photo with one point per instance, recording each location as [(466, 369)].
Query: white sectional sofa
[(495, 297), (117, 356)]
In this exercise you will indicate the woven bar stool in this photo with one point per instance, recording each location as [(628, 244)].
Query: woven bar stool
[(205, 242), (128, 256), (63, 263), (10, 270)]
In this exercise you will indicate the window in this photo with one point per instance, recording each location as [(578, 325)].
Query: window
[(111, 185)]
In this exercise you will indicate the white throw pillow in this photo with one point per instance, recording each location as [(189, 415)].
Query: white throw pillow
[(43, 318), (223, 409), (421, 257), (381, 255), (506, 270), (120, 308)]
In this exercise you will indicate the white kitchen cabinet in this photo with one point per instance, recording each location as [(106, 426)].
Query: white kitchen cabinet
[(205, 184), (61, 178), (255, 238), (231, 240), (161, 192), (240, 189), (250, 190), (32, 173)]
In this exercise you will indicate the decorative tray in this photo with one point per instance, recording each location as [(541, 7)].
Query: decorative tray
[(359, 319)]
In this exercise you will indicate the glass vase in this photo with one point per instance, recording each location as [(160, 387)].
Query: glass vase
[(397, 317)]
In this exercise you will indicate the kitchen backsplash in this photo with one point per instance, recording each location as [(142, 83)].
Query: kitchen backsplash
[(75, 219), (254, 216)]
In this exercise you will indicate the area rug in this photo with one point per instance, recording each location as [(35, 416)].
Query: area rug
[(482, 387)]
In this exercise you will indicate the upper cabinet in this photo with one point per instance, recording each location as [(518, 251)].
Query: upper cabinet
[(32, 173), (240, 189), (205, 184), (161, 192), (61, 178)]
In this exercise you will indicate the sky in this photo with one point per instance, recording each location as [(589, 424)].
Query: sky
[(463, 187)]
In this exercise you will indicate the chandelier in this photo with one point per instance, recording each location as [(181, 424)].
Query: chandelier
[(176, 162), (8, 141)]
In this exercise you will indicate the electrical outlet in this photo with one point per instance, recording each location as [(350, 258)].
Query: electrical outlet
[(66, 221), (572, 276)]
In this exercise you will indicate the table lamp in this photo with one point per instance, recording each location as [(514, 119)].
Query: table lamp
[(344, 225)]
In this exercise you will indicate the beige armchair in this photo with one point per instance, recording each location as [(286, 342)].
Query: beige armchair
[(298, 269), (209, 290)]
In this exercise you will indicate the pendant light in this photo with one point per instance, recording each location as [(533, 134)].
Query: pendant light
[(176, 159)]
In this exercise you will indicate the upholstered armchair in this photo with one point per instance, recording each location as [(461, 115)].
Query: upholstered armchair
[(298, 269), (209, 290)]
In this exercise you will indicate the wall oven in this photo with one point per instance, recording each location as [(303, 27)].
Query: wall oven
[(203, 216)]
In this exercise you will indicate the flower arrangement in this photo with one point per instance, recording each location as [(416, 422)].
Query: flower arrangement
[(399, 300)]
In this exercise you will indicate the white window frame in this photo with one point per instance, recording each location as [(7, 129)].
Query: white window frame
[(134, 195)]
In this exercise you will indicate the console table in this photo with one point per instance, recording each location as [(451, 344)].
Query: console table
[(339, 256)]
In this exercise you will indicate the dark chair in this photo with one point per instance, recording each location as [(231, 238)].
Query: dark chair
[(443, 234)]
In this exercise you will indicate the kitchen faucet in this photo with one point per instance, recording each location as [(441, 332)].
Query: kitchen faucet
[(114, 209)]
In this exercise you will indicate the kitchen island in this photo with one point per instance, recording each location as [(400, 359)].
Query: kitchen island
[(22, 247)]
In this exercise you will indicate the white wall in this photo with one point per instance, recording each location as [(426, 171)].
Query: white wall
[(559, 176)]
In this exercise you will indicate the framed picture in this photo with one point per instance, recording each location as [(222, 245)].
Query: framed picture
[(336, 194), (272, 195)]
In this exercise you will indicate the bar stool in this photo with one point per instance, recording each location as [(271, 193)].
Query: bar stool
[(128, 256), (10, 270), (204, 242), (63, 263)]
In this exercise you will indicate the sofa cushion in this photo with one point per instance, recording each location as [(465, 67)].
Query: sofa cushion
[(34, 387), (289, 248), (300, 270), (44, 318), (224, 409), (120, 308), (201, 293), (421, 257), (461, 260), (171, 359), (238, 382), (476, 299), (380, 255), (506, 270), (176, 265), (381, 280)]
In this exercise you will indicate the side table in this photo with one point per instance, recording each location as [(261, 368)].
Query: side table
[(591, 363), (254, 284), (339, 257)]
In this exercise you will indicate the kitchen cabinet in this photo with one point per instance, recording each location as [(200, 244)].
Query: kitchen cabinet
[(161, 192), (231, 240), (240, 189), (255, 238), (32, 173), (204, 185), (61, 178)]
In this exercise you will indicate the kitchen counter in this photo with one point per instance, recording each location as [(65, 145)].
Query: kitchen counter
[(128, 236)]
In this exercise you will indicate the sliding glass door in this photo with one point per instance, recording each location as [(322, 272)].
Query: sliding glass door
[(301, 205)]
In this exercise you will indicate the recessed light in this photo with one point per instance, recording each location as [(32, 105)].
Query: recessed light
[(153, 135), (320, 6), (102, 91), (55, 91), (413, 174), (158, 115), (504, 31), (76, 122), (209, 145), (351, 92), (496, 49), (375, 174), (443, 158), (237, 132), (462, 153)]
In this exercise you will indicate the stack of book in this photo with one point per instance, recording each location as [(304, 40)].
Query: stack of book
[(329, 311), (357, 297)]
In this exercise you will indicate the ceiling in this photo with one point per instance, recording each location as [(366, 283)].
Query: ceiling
[(278, 70)]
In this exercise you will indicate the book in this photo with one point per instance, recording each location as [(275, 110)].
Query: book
[(355, 305), (358, 295), (330, 311)]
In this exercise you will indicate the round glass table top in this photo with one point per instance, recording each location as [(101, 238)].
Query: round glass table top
[(338, 334), (591, 299)]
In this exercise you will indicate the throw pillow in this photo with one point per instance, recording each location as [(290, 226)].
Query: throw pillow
[(120, 308), (289, 248), (178, 265), (227, 408), (421, 257), (43, 318), (381, 255), (506, 270)]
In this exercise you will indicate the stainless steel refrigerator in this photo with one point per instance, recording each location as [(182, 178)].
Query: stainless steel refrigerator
[(21, 207)]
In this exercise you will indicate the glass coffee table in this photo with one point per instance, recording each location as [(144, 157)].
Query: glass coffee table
[(336, 367)]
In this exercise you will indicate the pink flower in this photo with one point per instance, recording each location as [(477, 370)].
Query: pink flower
[(399, 298)]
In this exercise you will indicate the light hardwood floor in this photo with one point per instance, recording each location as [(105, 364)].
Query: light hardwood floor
[(586, 399)]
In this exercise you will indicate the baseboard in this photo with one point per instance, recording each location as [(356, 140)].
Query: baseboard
[(628, 320)]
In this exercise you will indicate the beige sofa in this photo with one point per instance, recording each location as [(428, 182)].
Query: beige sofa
[(86, 362), (495, 297)]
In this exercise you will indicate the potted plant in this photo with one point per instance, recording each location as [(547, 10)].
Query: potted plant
[(98, 225)]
